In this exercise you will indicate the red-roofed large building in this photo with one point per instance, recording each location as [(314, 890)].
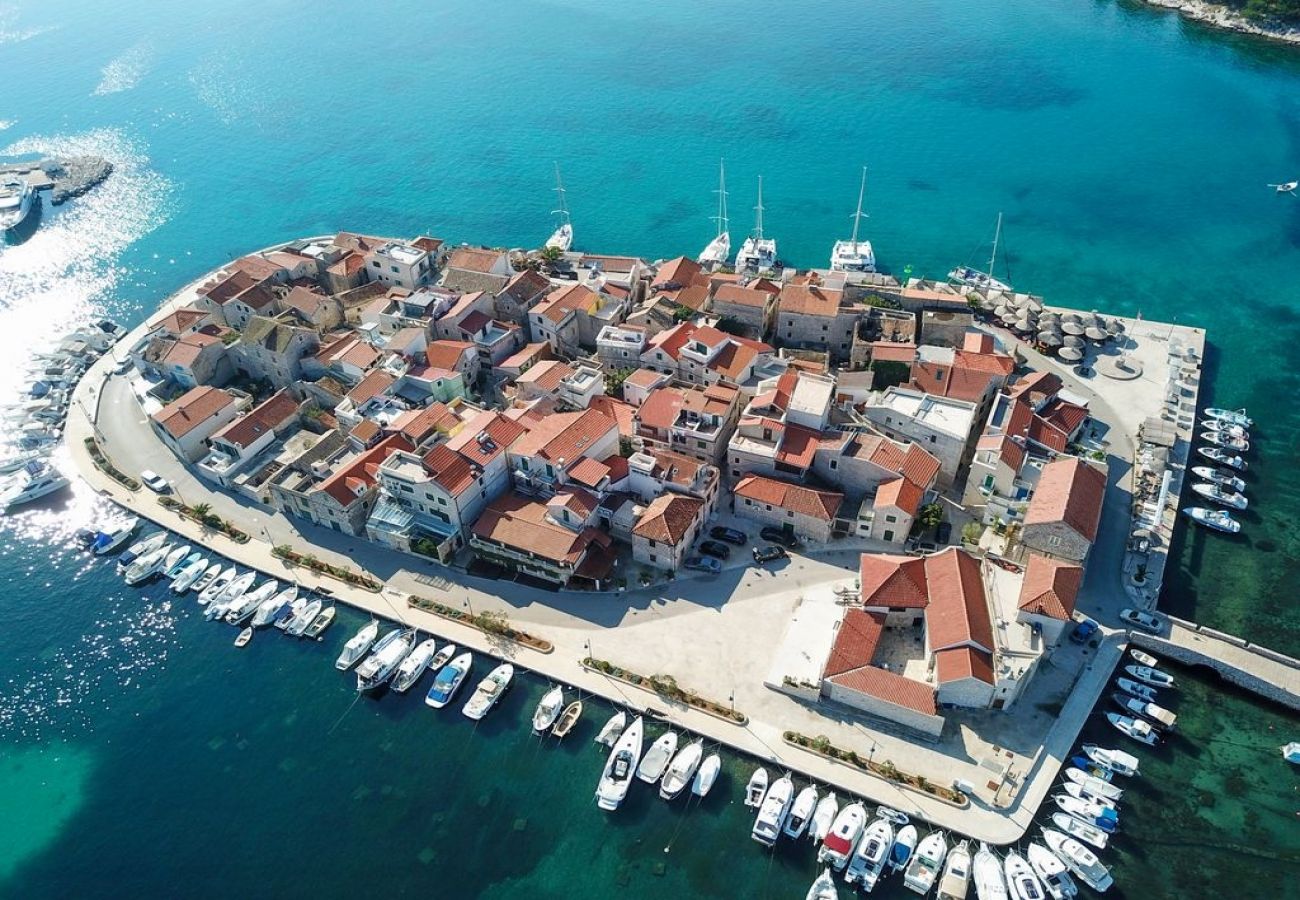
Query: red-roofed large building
[(540, 459), (235, 446), (337, 491), (570, 318), (695, 421), (187, 422), (1048, 595), (1065, 511), (797, 509), (705, 355), (551, 542), (811, 317), (663, 534)]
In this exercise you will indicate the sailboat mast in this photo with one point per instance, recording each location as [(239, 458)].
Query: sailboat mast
[(758, 210), (722, 198), (857, 216), (997, 235), (559, 189)]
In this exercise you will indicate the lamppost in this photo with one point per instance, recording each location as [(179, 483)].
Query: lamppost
[(731, 701), (587, 643), (467, 604)]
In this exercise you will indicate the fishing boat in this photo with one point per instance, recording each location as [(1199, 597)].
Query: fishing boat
[(37, 479), (1145, 691), (926, 863), (140, 548), (823, 888), (247, 604), (1088, 811), (954, 883), (681, 770), (1079, 860), (1291, 752), (488, 692), (756, 789), (548, 710), (772, 814), (823, 817), (844, 835), (1158, 715), (572, 713), (232, 592), (619, 768), (562, 238), (805, 803), (904, 846), (1143, 657), (188, 575), (17, 197), (612, 728), (388, 653), (442, 657), (1230, 416), (1218, 494), (1223, 458), (448, 681), (719, 249), (1097, 787), (1138, 729), (303, 618), (273, 607), (983, 281), (1090, 834), (1151, 676), (110, 541), (656, 759), (357, 646), (854, 255), (1051, 872), (1105, 804), (244, 637), (1286, 187), (411, 668), (1226, 440), (869, 858), (987, 875), (1217, 519), (1117, 761), (757, 252), (1221, 477), (216, 585), (706, 775), (146, 566), (178, 559), (1022, 883)]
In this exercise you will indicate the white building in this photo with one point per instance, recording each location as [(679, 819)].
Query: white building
[(400, 264), (941, 425)]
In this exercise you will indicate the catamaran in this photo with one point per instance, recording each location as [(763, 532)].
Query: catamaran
[(357, 646), (379, 666), (719, 249), (562, 238), (488, 692), (854, 255), (619, 768), (983, 281), (757, 252)]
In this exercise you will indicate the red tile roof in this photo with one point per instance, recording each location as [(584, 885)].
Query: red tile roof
[(669, 518), (1070, 491), (447, 354), (192, 409), (418, 425), (566, 436), (1051, 587), (958, 612), (546, 375), (1007, 450), (957, 663), (473, 259), (822, 505), (659, 411), (374, 384), (677, 273), (909, 460), (180, 321), (589, 472), (354, 480), (622, 413), (855, 642), (892, 582), (809, 300), (1064, 415), (967, 378), (900, 493), (889, 688), (1037, 386), (453, 472), (892, 351), (266, 416), (564, 300), (485, 437), (522, 524), (798, 447), (736, 295)]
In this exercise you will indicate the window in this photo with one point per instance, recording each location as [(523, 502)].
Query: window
[(988, 483), (932, 439), (789, 514), (394, 268), (889, 535), (653, 558), (653, 543), (749, 502), (891, 519), (375, 264), (835, 463)]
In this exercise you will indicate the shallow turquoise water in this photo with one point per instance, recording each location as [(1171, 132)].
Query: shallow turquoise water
[(1128, 151)]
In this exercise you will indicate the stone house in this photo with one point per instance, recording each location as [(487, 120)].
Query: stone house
[(1064, 514), (797, 509)]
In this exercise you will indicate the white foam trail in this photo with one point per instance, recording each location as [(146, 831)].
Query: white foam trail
[(13, 33), (6, 123), (126, 71)]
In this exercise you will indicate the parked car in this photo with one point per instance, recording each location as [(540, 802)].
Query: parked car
[(730, 535), (769, 552), (155, 482), (780, 536), (703, 564), (716, 549), (943, 532), (1083, 630), (1142, 619)]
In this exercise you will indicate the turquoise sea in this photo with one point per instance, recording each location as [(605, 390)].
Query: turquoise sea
[(140, 755)]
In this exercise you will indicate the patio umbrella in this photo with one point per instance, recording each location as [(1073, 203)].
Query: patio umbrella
[(1002, 310), (1071, 317), (1115, 326), (1073, 354), (1073, 341), (1095, 334), (1024, 323), (988, 303), (1050, 338), (1072, 327), (1034, 304)]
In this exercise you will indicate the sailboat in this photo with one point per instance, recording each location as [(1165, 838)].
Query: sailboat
[(562, 238), (1286, 187), (982, 280), (716, 253), (854, 255), (757, 252)]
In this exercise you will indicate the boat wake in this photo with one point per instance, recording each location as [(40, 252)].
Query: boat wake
[(13, 33), (127, 70)]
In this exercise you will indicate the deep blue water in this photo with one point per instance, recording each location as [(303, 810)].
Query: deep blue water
[(1128, 151)]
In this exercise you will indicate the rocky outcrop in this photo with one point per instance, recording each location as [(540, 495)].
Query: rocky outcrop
[(1230, 20)]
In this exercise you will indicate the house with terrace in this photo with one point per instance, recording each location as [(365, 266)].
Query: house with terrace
[(697, 422), (541, 459), (241, 444), (337, 490), (516, 300), (312, 309), (812, 317), (941, 425), (553, 540), (186, 423), (704, 355), (189, 359), (571, 316)]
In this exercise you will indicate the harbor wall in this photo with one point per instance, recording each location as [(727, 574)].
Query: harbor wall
[(1237, 672)]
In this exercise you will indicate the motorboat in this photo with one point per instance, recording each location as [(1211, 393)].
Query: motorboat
[(562, 238), (719, 249), (1096, 787), (1090, 812), (823, 817), (620, 767), (904, 846), (987, 875), (772, 814), (983, 281), (1078, 792), (85, 536), (1138, 729), (954, 883), (681, 770), (223, 597), (1081, 861), (409, 672), (1158, 715), (1051, 872), (17, 196), (548, 710), (1217, 519), (188, 575), (216, 585), (1153, 677), (1228, 428), (141, 547), (442, 657), (844, 835), (13, 463), (1118, 761), (656, 759), (608, 735), (1226, 440), (488, 692), (244, 637), (1143, 657), (1089, 834), (805, 803), (926, 863), (854, 255), (1291, 752), (246, 605), (757, 252), (1022, 883), (387, 655), (110, 541), (178, 559), (1218, 494), (1230, 416), (756, 789), (1223, 457), (448, 681), (186, 563), (572, 713), (302, 618), (272, 607), (1144, 691), (1221, 477), (869, 858), (37, 479), (823, 888), (894, 816), (706, 775), (146, 566), (357, 646)]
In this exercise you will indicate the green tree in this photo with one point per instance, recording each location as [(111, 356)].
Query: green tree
[(552, 254), (886, 374), (614, 382), (682, 313), (930, 515)]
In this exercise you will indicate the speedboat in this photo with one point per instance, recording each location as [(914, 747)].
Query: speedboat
[(1146, 692), (1090, 834), (37, 479), (926, 863), (409, 672), (772, 814), (681, 770), (1218, 427), (1051, 872), (1138, 729), (188, 575), (146, 566), (246, 606), (107, 542), (1151, 676), (448, 681), (823, 888), (823, 817), (1094, 786), (216, 585), (1220, 495), (1291, 752), (619, 768), (274, 606), (904, 846), (1226, 440), (656, 759), (302, 618), (14, 463), (1221, 477), (388, 653), (1118, 761), (1105, 804), (1230, 416), (357, 646), (548, 710), (706, 776), (756, 789), (608, 736), (1158, 715), (1079, 860), (1022, 883), (140, 548), (442, 657), (869, 857), (1223, 457), (805, 802), (178, 559), (16, 199), (1088, 811), (988, 875), (488, 692), (954, 883), (321, 621), (1140, 618), (223, 599), (844, 835)]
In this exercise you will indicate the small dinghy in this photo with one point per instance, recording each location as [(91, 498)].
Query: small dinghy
[(1051, 872), (548, 710), (1151, 676), (1022, 883), (572, 713), (904, 844), (801, 812), (844, 835), (823, 817), (681, 770), (1142, 691), (1090, 834), (244, 637), (610, 733), (706, 776), (954, 883), (988, 876), (1117, 761), (1138, 729), (1291, 752), (1097, 787), (927, 863), (1143, 658), (756, 790), (656, 759), (823, 888)]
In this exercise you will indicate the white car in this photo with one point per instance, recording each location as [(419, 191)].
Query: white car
[(1144, 620), (155, 482)]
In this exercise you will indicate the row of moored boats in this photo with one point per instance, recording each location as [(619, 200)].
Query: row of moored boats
[(676, 769), (1225, 440)]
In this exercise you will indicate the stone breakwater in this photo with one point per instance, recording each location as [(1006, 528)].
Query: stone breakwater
[(1225, 18), (63, 177)]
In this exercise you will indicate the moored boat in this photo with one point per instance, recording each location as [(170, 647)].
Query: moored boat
[(177, 559), (548, 710), (303, 618), (246, 605), (448, 681), (1107, 805), (1151, 676), (146, 566), (387, 655), (1077, 828), (656, 759), (954, 883), (1158, 715), (987, 875), (1227, 440), (1138, 729), (706, 776), (442, 657), (17, 196), (188, 575), (140, 548), (844, 835), (1291, 752), (619, 768), (1022, 883), (823, 816), (1051, 872), (244, 637), (1079, 860), (209, 575), (572, 713), (869, 858), (413, 666), (289, 616), (823, 888), (272, 607), (756, 788), (229, 594), (1137, 689), (1221, 477), (772, 814), (719, 249), (926, 863), (1223, 457), (488, 692), (1230, 416), (1097, 787), (681, 770), (110, 541), (891, 815), (854, 255), (216, 586), (612, 728), (1090, 812), (322, 620), (983, 281), (805, 803), (1118, 761), (1218, 494), (904, 846), (36, 480)]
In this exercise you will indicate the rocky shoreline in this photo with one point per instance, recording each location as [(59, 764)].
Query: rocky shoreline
[(1225, 18), (63, 177)]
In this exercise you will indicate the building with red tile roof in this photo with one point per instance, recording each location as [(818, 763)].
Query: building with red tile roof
[(664, 532), (186, 423), (798, 509), (541, 458), (521, 534), (1064, 513)]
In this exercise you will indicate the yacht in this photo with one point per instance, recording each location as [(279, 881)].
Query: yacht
[(1224, 457), (845, 832), (1117, 761), (178, 559), (19, 460), (823, 888), (756, 789), (562, 238), (1139, 730), (869, 858), (17, 197), (613, 728), (681, 770), (1151, 676), (1217, 493), (548, 710), (926, 864), (216, 585), (823, 817), (954, 883), (448, 681), (1079, 860), (1217, 519), (757, 252), (1089, 834), (1230, 416), (1145, 691), (409, 672), (1291, 752), (1097, 787), (772, 814), (708, 774), (719, 249), (303, 616), (1226, 440), (1108, 805), (1089, 812), (146, 566), (1022, 883), (656, 759), (488, 692), (274, 607), (357, 646), (388, 654), (107, 542), (1051, 872), (619, 768), (854, 255), (244, 608), (988, 876), (801, 812), (983, 281), (222, 602), (188, 575), (904, 845), (37, 479), (1222, 477)]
